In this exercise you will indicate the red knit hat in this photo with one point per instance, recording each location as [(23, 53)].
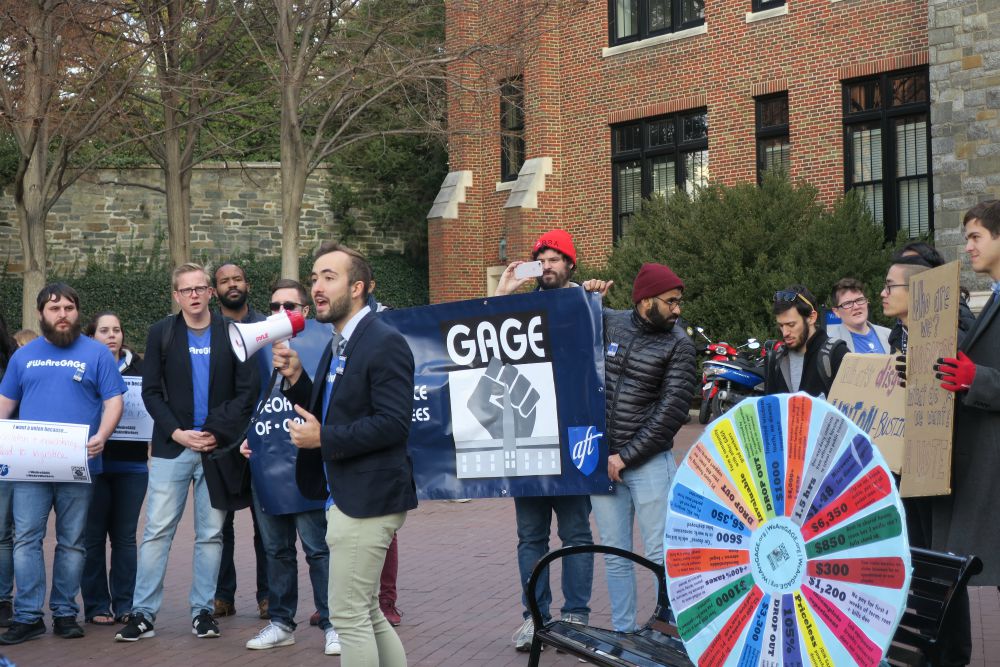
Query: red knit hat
[(653, 280), (559, 240)]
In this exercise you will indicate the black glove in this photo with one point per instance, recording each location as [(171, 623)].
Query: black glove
[(901, 369)]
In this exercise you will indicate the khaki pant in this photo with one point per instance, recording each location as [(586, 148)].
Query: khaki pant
[(357, 553)]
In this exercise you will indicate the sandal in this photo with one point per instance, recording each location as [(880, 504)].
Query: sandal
[(102, 619)]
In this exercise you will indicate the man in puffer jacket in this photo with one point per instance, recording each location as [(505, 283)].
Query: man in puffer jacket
[(650, 376)]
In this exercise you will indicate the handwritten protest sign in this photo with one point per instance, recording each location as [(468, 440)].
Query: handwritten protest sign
[(33, 451), (867, 391), (135, 424), (930, 410)]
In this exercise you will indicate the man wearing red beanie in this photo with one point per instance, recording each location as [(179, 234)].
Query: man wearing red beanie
[(650, 376), (557, 255)]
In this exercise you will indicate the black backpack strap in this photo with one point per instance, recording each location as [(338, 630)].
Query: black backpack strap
[(826, 359)]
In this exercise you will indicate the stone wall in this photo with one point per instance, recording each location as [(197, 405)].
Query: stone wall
[(233, 210), (964, 42)]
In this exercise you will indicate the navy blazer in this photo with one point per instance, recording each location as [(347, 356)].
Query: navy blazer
[(363, 438)]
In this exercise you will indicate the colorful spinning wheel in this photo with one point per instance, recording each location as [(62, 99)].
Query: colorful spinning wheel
[(785, 541)]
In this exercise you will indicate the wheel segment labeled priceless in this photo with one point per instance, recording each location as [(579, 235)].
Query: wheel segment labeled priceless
[(785, 541)]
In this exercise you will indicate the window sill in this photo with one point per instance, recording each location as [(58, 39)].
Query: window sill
[(753, 17), (504, 186), (654, 41)]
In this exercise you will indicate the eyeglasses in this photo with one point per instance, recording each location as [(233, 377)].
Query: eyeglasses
[(287, 305), (189, 291), (847, 305), (888, 286), (671, 303), (790, 296)]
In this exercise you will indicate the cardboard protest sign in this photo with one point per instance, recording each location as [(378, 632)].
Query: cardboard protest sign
[(930, 410), (867, 391)]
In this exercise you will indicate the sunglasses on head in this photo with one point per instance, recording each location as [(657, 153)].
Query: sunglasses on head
[(287, 305), (789, 296)]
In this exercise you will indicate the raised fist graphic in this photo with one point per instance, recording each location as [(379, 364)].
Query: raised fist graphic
[(504, 401)]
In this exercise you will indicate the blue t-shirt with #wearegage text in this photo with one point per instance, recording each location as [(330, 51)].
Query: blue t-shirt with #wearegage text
[(200, 348), (867, 344), (63, 384)]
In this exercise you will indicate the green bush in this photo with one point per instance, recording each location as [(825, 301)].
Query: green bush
[(142, 297), (735, 246)]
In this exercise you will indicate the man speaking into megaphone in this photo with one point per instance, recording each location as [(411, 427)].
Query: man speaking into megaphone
[(352, 446)]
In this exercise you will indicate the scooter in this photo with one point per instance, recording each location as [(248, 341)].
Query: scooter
[(728, 376)]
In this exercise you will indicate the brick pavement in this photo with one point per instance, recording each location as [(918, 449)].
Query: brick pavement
[(457, 590)]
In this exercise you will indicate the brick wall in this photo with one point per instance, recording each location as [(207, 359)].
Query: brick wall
[(573, 94)]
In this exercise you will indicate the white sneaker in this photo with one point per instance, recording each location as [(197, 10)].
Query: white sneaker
[(524, 635), (271, 637), (332, 642)]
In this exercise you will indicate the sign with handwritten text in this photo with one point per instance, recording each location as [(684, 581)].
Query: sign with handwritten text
[(135, 424), (867, 391), (33, 451), (930, 410)]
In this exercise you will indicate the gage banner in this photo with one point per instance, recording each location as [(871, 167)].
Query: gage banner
[(508, 396)]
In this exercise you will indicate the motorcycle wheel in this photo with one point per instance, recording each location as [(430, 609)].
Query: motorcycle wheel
[(705, 412), (720, 406)]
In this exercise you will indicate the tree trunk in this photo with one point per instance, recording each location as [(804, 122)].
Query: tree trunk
[(178, 202), (294, 170)]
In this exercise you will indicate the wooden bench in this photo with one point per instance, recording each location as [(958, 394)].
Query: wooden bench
[(936, 579)]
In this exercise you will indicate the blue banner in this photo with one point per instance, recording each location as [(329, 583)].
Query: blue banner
[(508, 395)]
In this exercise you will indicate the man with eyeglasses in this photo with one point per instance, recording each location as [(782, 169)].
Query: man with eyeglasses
[(851, 306), (809, 359), (896, 297), (650, 374), (191, 417)]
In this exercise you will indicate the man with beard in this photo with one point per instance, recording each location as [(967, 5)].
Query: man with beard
[(533, 514), (59, 377), (352, 448), (233, 291), (809, 359), (650, 374), (191, 417)]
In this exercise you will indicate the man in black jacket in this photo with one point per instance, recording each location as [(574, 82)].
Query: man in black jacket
[(808, 361), (650, 375), (192, 416)]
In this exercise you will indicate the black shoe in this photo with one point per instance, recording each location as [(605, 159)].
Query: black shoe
[(204, 625), (6, 613), (137, 628), (66, 627), (22, 632)]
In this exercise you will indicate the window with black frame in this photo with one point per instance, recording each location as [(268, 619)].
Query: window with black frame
[(656, 156), (763, 5), (887, 149), (633, 20), (773, 147), (511, 128)]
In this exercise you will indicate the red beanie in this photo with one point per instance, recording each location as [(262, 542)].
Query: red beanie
[(653, 280), (559, 240)]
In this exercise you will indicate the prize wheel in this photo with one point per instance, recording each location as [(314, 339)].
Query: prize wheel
[(785, 541)]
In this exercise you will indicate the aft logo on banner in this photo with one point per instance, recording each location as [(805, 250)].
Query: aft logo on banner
[(500, 383), (584, 442)]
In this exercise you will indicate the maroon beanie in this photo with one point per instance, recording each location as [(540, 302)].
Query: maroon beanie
[(653, 280)]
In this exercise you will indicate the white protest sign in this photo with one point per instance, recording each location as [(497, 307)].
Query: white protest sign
[(135, 424), (33, 451)]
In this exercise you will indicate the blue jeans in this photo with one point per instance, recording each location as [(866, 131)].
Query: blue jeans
[(225, 586), (641, 495), (277, 532), (166, 496), (114, 514), (6, 542), (32, 503), (534, 523)]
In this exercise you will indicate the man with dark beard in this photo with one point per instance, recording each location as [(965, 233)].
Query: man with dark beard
[(68, 378), (233, 291), (809, 359), (650, 375)]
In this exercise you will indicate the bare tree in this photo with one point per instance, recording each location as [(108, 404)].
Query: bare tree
[(62, 76)]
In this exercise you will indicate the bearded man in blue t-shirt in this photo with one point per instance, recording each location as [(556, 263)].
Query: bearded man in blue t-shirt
[(68, 378)]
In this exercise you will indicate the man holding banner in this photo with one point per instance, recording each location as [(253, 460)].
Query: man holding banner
[(70, 379)]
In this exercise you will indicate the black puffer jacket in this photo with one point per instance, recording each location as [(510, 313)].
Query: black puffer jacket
[(649, 378)]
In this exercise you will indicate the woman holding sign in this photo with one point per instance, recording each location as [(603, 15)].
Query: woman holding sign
[(114, 509)]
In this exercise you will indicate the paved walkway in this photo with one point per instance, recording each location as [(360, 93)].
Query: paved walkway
[(458, 593)]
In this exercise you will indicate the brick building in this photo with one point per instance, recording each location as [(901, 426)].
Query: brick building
[(605, 102)]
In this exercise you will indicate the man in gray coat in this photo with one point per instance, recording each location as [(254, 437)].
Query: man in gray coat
[(963, 521)]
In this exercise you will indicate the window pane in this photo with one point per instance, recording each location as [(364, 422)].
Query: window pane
[(775, 154), (696, 170), (909, 89), (864, 96), (911, 146), (628, 138), (659, 15), (695, 126), (664, 176), (872, 195), (866, 147), (512, 147), (914, 216), (512, 105), (661, 133), (629, 177), (626, 18), (773, 112), (692, 10)]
